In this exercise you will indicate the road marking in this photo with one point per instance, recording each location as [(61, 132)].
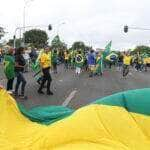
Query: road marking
[(69, 98)]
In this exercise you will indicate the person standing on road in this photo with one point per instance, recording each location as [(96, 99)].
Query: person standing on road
[(66, 58), (139, 63), (33, 55), (54, 61), (120, 62), (79, 61), (145, 64), (19, 69), (126, 64), (9, 69), (91, 62), (99, 65), (45, 62)]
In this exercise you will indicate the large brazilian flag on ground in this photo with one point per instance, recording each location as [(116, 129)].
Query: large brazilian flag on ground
[(117, 122)]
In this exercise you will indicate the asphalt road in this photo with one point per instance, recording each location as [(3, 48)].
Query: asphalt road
[(76, 91)]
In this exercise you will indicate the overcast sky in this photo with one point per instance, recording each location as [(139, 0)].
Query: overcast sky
[(95, 22)]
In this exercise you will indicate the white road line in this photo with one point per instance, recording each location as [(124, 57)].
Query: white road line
[(69, 98)]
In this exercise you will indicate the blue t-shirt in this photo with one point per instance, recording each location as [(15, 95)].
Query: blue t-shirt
[(91, 59)]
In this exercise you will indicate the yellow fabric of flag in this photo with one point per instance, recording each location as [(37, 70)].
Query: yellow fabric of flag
[(93, 127)]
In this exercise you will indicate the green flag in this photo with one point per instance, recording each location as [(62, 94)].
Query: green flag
[(107, 50), (105, 54)]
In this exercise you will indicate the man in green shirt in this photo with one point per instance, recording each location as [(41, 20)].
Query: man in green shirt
[(9, 65)]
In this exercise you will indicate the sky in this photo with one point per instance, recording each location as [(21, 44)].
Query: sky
[(94, 22)]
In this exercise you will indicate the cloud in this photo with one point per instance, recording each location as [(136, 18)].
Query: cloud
[(93, 21)]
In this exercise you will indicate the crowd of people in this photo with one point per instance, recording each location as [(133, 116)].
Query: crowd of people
[(16, 63)]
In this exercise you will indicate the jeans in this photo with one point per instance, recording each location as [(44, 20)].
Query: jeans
[(55, 67), (46, 77), (66, 63), (20, 79), (125, 70), (10, 84)]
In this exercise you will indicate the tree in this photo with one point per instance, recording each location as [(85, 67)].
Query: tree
[(11, 42), (37, 38), (58, 44), (79, 45), (141, 49)]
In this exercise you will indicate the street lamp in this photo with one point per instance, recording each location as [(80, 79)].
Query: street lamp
[(24, 18)]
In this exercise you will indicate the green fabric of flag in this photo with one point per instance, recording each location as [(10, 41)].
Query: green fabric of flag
[(79, 60), (107, 50), (99, 65), (9, 65)]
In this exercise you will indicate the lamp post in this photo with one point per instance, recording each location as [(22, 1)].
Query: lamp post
[(24, 18)]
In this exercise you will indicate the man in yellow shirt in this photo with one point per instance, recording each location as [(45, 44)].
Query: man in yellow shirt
[(126, 64), (66, 58), (45, 62)]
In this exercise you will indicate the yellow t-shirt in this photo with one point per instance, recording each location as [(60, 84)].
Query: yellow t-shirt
[(127, 60), (45, 60), (66, 56)]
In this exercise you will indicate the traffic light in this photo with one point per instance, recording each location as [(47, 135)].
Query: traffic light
[(126, 29), (49, 27)]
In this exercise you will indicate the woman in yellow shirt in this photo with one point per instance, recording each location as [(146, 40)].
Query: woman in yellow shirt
[(45, 62)]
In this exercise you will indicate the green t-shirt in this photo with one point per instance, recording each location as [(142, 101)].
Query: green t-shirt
[(54, 57), (9, 65)]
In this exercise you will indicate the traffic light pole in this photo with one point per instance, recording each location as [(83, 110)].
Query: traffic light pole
[(137, 28), (126, 28)]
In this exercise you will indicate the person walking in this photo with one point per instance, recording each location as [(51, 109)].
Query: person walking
[(45, 62), (19, 69), (126, 64), (9, 69)]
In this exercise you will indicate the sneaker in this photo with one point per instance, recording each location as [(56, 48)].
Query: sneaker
[(15, 94), (40, 92), (50, 93), (23, 97), (10, 92)]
